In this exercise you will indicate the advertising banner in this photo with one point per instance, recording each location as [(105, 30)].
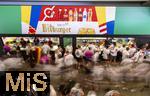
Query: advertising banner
[(67, 20), (98, 20)]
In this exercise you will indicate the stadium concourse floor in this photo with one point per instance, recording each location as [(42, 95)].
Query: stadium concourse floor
[(81, 76)]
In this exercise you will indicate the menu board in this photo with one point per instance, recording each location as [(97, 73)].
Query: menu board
[(67, 19)]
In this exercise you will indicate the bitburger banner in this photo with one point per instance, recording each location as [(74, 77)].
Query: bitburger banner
[(67, 20), (98, 20)]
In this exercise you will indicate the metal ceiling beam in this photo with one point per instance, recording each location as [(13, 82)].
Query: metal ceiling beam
[(102, 0), (77, 2), (74, 3)]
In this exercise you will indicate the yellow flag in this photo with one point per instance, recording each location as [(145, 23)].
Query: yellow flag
[(25, 14), (101, 15)]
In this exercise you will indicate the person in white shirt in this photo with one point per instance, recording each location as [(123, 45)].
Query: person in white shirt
[(45, 48), (84, 47), (58, 53), (106, 53), (132, 50), (125, 54), (113, 53), (58, 58), (122, 48), (139, 56), (92, 46), (96, 56), (79, 56), (68, 59), (78, 52)]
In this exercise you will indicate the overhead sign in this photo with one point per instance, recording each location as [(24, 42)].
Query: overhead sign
[(67, 20), (97, 20)]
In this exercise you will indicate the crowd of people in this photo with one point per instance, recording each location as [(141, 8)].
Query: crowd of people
[(85, 53), (112, 53), (75, 89), (108, 53)]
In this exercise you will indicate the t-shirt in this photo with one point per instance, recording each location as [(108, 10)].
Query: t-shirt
[(105, 53), (121, 49), (92, 46), (113, 52), (7, 48), (88, 54), (132, 51), (125, 54), (138, 57), (78, 53), (84, 48), (69, 60), (45, 49), (95, 56)]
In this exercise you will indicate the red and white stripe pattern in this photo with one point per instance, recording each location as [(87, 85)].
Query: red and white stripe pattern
[(103, 28)]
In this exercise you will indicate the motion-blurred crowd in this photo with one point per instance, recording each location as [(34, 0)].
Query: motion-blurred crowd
[(75, 89), (50, 53), (104, 55)]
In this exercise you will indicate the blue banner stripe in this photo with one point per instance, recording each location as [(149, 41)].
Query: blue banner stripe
[(110, 27), (35, 14)]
